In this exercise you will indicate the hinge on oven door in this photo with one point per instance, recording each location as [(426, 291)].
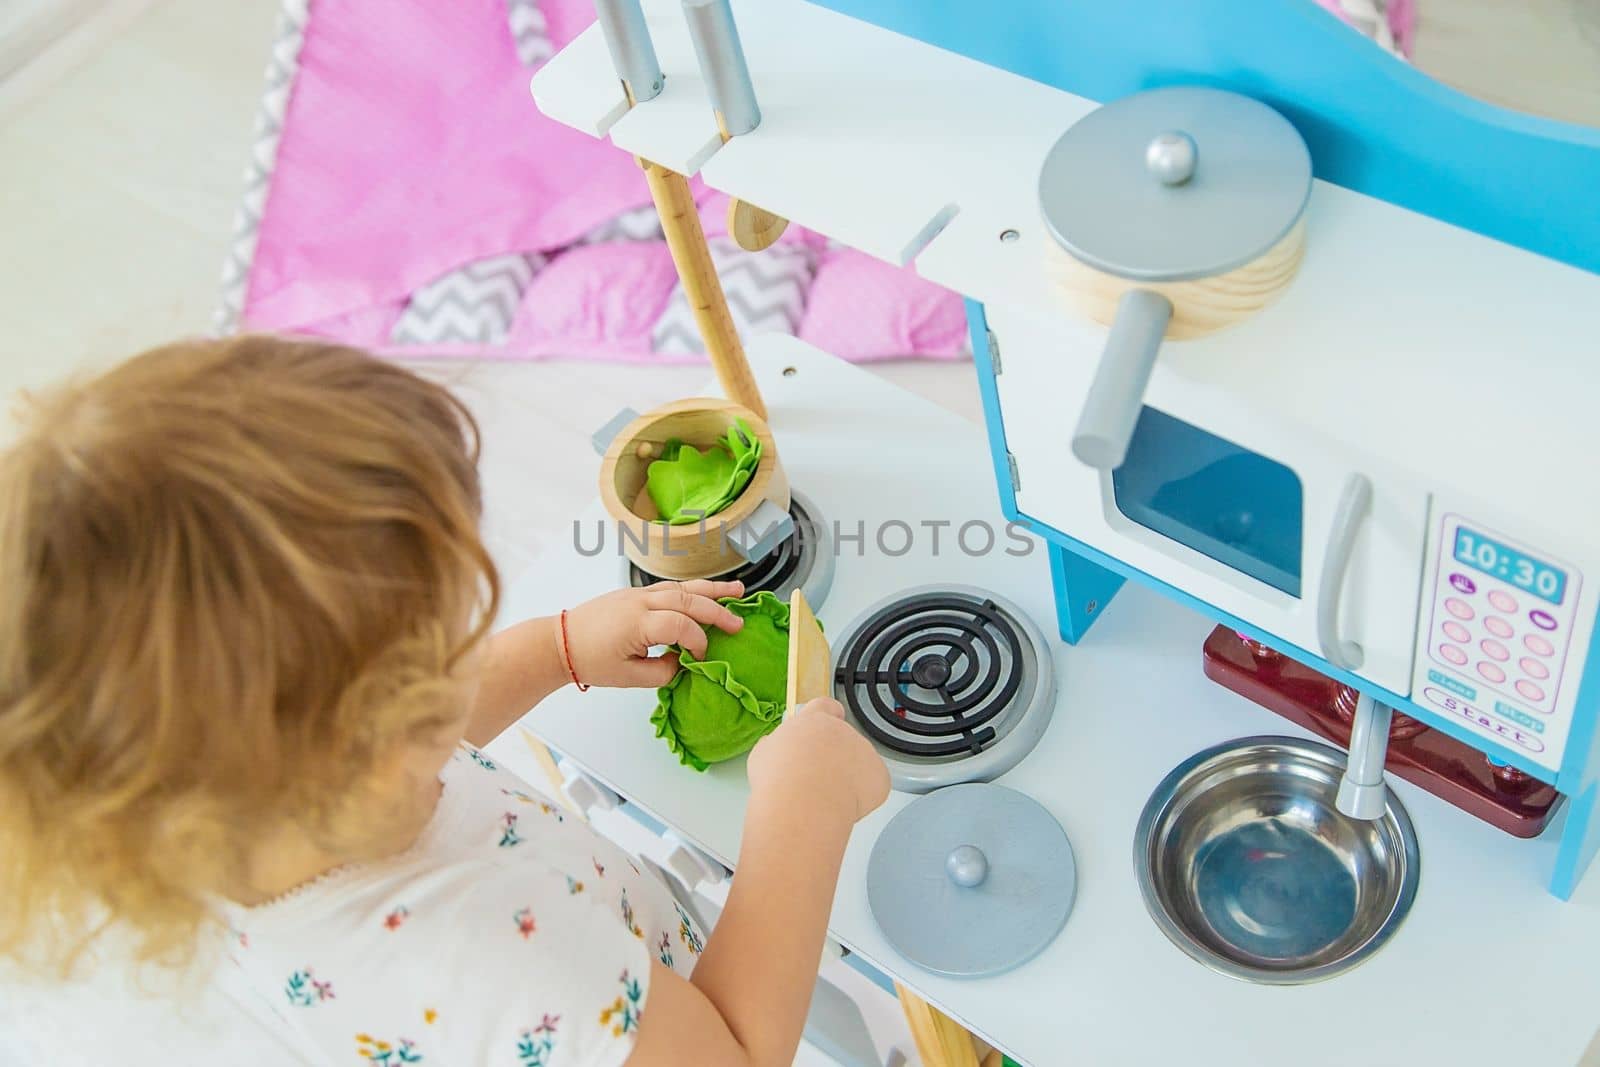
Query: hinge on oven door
[(1011, 465), (994, 351)]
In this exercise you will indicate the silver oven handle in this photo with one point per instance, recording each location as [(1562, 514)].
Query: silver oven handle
[(1116, 396), (1354, 506)]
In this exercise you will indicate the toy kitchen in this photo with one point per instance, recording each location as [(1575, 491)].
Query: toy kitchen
[(1240, 675)]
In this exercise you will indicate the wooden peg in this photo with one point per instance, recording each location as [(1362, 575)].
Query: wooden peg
[(754, 228)]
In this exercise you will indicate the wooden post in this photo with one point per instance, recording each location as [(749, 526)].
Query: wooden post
[(941, 1041), (680, 221)]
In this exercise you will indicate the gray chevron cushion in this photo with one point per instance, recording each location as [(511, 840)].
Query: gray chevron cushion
[(282, 67), (473, 304), (766, 294), (640, 224)]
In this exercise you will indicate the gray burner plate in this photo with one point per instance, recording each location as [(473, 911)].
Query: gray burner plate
[(962, 931), (1026, 723)]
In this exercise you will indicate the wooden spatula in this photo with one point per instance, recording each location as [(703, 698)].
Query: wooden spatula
[(810, 660)]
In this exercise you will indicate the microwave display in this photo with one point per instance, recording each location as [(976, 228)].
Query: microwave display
[(1491, 557)]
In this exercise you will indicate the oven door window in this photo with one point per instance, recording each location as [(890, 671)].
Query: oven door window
[(1235, 506)]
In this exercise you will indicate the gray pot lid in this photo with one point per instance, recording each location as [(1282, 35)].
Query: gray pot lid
[(1174, 184), (971, 880)]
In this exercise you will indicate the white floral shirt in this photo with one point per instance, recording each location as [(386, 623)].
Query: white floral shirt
[(510, 933)]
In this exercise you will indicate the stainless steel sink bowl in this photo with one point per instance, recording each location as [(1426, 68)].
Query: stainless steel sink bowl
[(1246, 865)]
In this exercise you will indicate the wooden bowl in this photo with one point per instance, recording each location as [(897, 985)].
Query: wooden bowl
[(696, 550)]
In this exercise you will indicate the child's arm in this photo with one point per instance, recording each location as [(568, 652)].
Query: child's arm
[(810, 781), (521, 666), (609, 640)]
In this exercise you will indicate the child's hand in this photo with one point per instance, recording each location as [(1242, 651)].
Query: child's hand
[(821, 760), (609, 638)]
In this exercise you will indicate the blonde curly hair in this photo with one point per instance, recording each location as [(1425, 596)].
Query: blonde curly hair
[(238, 576)]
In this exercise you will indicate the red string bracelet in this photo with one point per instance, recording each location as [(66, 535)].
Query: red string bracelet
[(566, 654)]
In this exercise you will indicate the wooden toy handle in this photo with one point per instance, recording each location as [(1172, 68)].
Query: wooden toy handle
[(809, 656), (680, 221)]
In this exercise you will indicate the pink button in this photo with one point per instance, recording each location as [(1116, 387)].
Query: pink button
[(1533, 668), (1529, 690), (1538, 645), (1453, 654), (1491, 672), (1456, 632), (1459, 608), (1495, 650), (1503, 600), (1498, 626)]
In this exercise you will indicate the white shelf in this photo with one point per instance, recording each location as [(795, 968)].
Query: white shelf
[(1487, 969), (1471, 360)]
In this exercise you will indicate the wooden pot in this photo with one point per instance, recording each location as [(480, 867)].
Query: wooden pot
[(1199, 305), (698, 550)]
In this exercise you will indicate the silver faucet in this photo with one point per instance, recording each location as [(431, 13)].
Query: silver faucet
[(1362, 793)]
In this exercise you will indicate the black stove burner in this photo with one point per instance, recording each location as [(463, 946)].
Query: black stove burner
[(927, 675), (931, 671), (769, 573)]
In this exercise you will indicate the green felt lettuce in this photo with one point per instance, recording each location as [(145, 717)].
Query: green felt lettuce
[(688, 485), (719, 707)]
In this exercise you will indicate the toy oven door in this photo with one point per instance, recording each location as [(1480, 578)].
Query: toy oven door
[(1316, 544)]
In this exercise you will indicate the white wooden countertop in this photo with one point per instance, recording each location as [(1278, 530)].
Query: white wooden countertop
[(1472, 360), (1488, 968)]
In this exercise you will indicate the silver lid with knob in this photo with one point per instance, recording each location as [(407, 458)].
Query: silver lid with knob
[(1174, 184), (971, 880)]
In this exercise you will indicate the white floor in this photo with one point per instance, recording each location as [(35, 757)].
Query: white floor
[(122, 149)]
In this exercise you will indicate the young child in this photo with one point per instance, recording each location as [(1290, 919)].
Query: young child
[(244, 671)]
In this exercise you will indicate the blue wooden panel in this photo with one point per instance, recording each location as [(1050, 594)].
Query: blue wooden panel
[(1373, 123), (1580, 770), (1083, 588), (1580, 840), (983, 362), (1580, 763)]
